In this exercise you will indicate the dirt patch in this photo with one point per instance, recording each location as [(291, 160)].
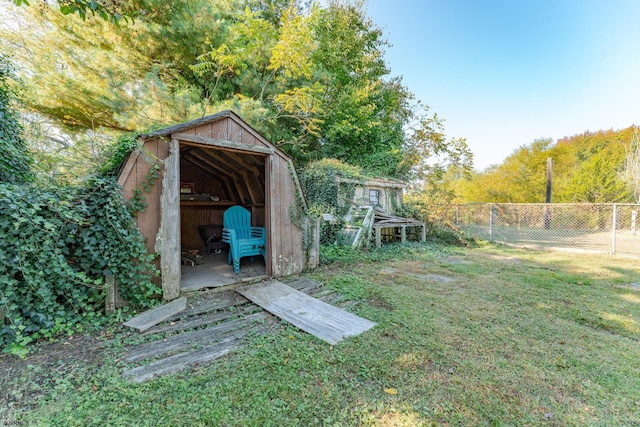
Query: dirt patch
[(438, 278), (456, 260), (505, 259), (24, 381), (389, 271)]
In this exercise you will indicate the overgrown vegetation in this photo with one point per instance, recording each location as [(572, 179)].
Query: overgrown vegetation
[(326, 193), (311, 78), (321, 185), (481, 336), (15, 160), (593, 167), (58, 244)]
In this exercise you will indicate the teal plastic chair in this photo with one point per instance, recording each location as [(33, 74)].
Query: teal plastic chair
[(243, 239)]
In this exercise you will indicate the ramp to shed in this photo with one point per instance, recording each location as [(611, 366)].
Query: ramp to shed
[(329, 323)]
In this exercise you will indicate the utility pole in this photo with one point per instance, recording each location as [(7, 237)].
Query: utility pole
[(549, 176), (547, 211)]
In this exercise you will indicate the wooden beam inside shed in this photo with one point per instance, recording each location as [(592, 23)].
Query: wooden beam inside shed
[(220, 174), (246, 165), (210, 161), (186, 138), (241, 190), (243, 166), (252, 191)]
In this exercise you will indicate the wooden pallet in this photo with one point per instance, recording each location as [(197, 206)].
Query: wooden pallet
[(208, 328)]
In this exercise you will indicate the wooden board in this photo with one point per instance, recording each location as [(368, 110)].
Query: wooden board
[(152, 317), (329, 323), (180, 361), (185, 340), (211, 350), (203, 320), (304, 285)]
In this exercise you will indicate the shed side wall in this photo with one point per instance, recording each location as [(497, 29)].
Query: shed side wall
[(148, 221), (287, 236)]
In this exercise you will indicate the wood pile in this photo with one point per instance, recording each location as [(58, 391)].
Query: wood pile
[(382, 219)]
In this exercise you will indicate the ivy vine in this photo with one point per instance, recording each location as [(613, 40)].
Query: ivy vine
[(15, 159), (327, 194), (118, 154), (58, 244), (138, 202)]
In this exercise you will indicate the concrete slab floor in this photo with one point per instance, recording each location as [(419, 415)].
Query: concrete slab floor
[(214, 272)]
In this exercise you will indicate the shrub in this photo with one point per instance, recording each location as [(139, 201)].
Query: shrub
[(58, 243), (324, 194), (15, 160)]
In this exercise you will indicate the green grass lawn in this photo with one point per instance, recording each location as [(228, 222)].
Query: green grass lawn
[(466, 336)]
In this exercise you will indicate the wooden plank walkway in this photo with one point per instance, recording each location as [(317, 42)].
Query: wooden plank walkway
[(213, 324), (329, 323), (150, 318)]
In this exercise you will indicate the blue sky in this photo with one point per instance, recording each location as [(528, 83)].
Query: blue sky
[(503, 73)]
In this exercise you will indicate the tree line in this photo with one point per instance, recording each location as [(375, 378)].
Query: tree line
[(312, 78), (592, 167)]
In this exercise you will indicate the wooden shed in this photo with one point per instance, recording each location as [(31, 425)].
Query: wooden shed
[(206, 166), (382, 193)]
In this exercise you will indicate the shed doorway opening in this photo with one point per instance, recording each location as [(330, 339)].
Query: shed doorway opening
[(213, 179)]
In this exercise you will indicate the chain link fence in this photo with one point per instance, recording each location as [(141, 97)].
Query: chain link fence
[(612, 228)]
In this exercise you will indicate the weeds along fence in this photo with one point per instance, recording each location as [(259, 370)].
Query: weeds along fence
[(612, 228)]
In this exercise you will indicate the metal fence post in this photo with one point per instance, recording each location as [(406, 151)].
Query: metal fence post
[(580, 226), (614, 226)]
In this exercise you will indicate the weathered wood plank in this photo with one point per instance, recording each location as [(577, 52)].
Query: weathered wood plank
[(198, 321), (304, 285), (217, 301), (110, 301), (180, 361), (287, 229), (188, 339), (322, 320), (231, 145), (269, 217), (313, 236), (168, 240), (152, 317)]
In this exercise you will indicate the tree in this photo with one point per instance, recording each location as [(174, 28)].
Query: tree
[(112, 11), (364, 112), (91, 75), (631, 170), (15, 160), (586, 168), (595, 181), (312, 80), (430, 154)]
